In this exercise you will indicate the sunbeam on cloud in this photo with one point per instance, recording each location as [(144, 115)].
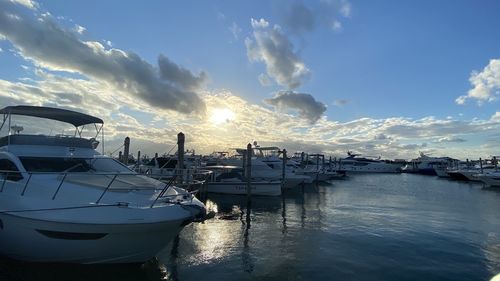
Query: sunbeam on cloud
[(221, 115)]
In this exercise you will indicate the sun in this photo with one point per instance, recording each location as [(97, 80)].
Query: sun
[(221, 115)]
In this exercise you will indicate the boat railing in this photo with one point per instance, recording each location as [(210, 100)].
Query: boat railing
[(24, 179), (184, 175)]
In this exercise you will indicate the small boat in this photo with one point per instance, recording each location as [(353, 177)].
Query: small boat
[(62, 201)]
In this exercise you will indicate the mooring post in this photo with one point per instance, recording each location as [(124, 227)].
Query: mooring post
[(139, 157), (248, 171), (126, 150), (481, 164), (283, 171), (180, 153), (302, 158), (317, 168), (120, 158)]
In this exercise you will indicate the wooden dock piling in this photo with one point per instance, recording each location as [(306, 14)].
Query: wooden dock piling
[(283, 171), (180, 154), (248, 171), (126, 150)]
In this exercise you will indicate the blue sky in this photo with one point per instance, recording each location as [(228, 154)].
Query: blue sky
[(353, 60)]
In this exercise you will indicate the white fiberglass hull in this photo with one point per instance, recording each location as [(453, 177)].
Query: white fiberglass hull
[(386, 168), (491, 179), (442, 173), (45, 241), (272, 188), (71, 232)]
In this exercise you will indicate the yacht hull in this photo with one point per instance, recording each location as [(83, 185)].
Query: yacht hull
[(240, 188), (36, 240), (491, 179)]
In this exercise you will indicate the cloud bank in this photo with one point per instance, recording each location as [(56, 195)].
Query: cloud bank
[(48, 45)]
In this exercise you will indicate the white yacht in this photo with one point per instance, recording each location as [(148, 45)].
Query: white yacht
[(62, 201), (265, 167), (230, 180), (426, 165), (490, 179), (354, 163)]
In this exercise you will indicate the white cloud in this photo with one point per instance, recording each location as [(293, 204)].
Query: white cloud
[(235, 30), (27, 3), (486, 84), (345, 8), (79, 29), (271, 46), (337, 25), (50, 46), (124, 116), (450, 139), (496, 117)]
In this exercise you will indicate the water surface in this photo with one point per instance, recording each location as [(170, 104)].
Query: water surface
[(366, 227)]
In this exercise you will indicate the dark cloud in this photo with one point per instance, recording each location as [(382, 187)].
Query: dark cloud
[(271, 46), (299, 18), (381, 137), (46, 43), (304, 16), (340, 103), (305, 104)]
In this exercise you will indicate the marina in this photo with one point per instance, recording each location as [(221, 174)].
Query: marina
[(246, 222), (249, 140)]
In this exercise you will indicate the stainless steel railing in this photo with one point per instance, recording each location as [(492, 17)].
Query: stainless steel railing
[(24, 179)]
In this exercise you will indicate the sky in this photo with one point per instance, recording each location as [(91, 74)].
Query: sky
[(381, 78)]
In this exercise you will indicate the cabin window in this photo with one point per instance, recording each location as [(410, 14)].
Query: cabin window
[(72, 165), (10, 169)]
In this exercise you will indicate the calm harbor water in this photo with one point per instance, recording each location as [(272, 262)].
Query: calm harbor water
[(366, 227)]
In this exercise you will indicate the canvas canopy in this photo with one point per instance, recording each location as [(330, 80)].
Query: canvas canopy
[(77, 119)]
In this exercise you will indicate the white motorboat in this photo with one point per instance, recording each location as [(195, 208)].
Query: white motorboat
[(266, 167), (426, 164), (229, 180), (61, 201), (354, 163)]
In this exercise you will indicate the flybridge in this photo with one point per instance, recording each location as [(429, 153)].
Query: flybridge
[(77, 119)]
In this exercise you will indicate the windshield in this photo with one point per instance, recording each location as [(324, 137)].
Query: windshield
[(74, 165)]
